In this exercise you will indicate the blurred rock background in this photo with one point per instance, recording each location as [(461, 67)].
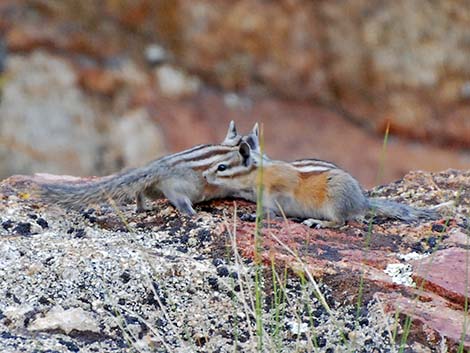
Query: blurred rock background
[(88, 87)]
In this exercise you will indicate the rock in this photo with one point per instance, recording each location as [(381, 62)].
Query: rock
[(238, 44), (65, 320), (135, 139), (17, 314), (49, 124), (100, 81), (294, 130), (175, 83), (440, 322), (196, 280), (55, 268), (383, 63), (41, 99), (155, 54), (445, 273)]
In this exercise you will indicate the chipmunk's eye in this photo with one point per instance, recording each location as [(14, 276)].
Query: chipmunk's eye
[(222, 167)]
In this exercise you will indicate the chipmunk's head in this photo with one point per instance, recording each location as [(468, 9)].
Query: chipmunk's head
[(235, 170)]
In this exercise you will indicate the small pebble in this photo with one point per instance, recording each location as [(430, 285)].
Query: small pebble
[(7, 224), (418, 247), (248, 217), (42, 223), (22, 229), (182, 249), (222, 271), (213, 282), (217, 262), (432, 241), (234, 275), (125, 276), (155, 54), (204, 235), (321, 342), (44, 301), (72, 347), (437, 227), (80, 233)]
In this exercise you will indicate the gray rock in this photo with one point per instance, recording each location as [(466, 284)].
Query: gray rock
[(46, 123), (134, 139)]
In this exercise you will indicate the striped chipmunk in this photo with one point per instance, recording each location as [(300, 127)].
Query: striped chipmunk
[(311, 189), (177, 177)]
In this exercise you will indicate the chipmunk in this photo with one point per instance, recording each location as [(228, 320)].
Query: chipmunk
[(314, 189), (178, 177)]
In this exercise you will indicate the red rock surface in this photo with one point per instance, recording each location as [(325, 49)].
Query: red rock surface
[(445, 273), (433, 318), (294, 130)]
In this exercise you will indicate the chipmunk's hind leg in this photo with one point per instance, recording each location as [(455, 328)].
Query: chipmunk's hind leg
[(141, 202), (181, 202)]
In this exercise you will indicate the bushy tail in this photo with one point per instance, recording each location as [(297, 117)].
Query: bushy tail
[(117, 188), (392, 209)]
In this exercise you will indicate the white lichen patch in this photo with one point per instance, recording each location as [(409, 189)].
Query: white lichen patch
[(411, 256), (400, 274), (65, 320), (17, 313), (297, 328)]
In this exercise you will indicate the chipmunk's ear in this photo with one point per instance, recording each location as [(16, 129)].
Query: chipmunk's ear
[(255, 130), (232, 137), (253, 139), (245, 152)]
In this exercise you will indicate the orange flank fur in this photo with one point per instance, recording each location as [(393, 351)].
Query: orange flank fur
[(279, 179), (310, 189)]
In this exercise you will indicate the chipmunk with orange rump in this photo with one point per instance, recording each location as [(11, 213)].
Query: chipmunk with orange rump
[(310, 188)]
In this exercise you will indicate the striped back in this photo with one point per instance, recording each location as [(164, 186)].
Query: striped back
[(199, 158), (313, 166)]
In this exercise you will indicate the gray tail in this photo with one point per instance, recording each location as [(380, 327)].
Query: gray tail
[(116, 188), (392, 209)]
